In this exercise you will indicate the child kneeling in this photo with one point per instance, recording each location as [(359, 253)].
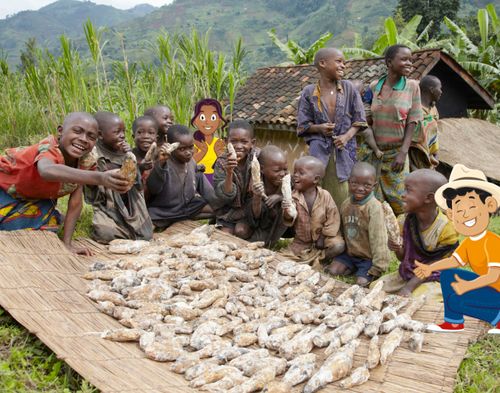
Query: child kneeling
[(367, 254)]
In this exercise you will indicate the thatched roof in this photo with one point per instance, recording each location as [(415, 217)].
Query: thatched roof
[(471, 142)]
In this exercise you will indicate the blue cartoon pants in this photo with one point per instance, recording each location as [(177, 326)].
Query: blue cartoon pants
[(482, 303)]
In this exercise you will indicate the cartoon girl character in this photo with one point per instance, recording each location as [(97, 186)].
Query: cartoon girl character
[(208, 119)]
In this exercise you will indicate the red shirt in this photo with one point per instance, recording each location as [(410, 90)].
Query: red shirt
[(19, 175)]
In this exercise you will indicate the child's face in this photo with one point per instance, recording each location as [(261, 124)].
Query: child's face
[(164, 118), (208, 120), (145, 134), (334, 65), (274, 169), (304, 177), (78, 136), (401, 64), (470, 215), (113, 136), (361, 185), (184, 153), (436, 91), (242, 142), (415, 194)]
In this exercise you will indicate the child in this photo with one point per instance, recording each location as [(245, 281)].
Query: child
[(33, 178), (424, 148), (329, 115), (265, 212), (364, 229), (428, 235), (164, 117), (145, 132), (208, 119), (469, 201), (365, 138), (116, 215), (176, 190), (317, 224), (232, 180)]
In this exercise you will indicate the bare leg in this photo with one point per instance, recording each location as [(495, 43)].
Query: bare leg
[(410, 286), (242, 230), (338, 269)]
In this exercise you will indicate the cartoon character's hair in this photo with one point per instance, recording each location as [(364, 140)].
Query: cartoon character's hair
[(208, 101), (391, 52), (451, 193), (174, 131), (136, 122), (240, 123)]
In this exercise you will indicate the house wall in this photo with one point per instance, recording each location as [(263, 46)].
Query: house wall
[(453, 102), (286, 140)]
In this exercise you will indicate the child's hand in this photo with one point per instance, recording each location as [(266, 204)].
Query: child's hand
[(393, 246), (200, 168), (145, 166), (79, 250), (422, 270), (163, 154), (320, 243), (286, 206), (258, 190), (125, 147), (378, 154), (114, 180), (272, 200), (231, 163), (327, 128), (340, 141), (399, 162)]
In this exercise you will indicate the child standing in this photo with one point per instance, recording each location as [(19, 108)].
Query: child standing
[(265, 213), (364, 230), (427, 233), (33, 178), (145, 132), (176, 190), (329, 115), (164, 117), (317, 224), (232, 180), (116, 215)]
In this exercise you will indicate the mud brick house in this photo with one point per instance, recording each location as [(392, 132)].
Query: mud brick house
[(269, 101)]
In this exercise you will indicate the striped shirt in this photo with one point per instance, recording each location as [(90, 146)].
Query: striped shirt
[(393, 111)]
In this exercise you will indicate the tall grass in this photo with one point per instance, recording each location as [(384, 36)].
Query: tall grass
[(34, 102)]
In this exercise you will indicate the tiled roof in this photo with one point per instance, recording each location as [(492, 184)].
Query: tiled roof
[(271, 94)]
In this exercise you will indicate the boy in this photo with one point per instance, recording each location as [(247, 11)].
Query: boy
[(469, 201), (176, 191), (232, 180), (116, 216), (33, 178), (428, 235), (365, 138), (424, 146), (164, 118), (317, 224), (329, 114), (364, 229), (265, 213), (145, 132)]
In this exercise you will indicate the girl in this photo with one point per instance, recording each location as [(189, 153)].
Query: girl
[(208, 119), (33, 178), (396, 110)]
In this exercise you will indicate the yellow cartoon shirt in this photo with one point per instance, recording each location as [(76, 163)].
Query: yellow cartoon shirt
[(209, 159), (480, 252)]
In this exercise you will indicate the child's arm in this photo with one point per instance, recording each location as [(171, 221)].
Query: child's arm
[(370, 140), (231, 163), (258, 193), (399, 250), (50, 171), (75, 204), (157, 179)]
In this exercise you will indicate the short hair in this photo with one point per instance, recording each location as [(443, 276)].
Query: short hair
[(270, 151), (365, 167), (154, 109), (432, 179), (391, 52), (174, 131), (104, 118), (428, 82), (240, 123), (136, 122), (74, 115), (451, 193), (319, 167), (324, 53), (210, 102)]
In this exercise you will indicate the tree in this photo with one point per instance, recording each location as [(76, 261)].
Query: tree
[(295, 53), (431, 11)]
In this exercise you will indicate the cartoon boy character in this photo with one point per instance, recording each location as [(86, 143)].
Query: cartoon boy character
[(469, 201), (208, 118)]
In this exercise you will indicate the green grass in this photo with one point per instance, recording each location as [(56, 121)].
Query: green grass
[(27, 365)]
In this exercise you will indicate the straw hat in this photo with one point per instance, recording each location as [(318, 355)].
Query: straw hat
[(461, 176)]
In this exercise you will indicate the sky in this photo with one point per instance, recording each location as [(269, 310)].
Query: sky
[(9, 7)]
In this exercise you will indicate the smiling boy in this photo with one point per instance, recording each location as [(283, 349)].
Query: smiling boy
[(469, 200)]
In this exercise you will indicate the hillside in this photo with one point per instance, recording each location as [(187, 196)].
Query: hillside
[(301, 20), (61, 17)]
